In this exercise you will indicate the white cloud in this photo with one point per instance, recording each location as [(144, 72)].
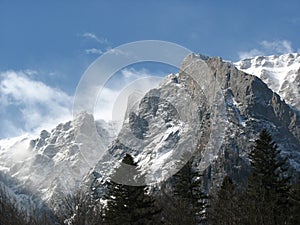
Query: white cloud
[(96, 51), (115, 51), (92, 36), (279, 47), (268, 48), (29, 106), (250, 54), (132, 73), (37, 105), (102, 44), (112, 101)]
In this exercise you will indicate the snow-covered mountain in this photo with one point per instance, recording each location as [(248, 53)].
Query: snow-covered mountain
[(210, 109), (280, 73), (56, 162)]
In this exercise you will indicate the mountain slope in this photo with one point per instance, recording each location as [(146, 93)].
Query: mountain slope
[(210, 110), (280, 73), (55, 163)]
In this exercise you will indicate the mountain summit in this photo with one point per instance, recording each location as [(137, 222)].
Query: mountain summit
[(280, 73), (56, 162), (210, 110)]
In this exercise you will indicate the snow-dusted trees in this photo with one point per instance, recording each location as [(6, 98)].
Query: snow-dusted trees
[(9, 213), (12, 214), (80, 209)]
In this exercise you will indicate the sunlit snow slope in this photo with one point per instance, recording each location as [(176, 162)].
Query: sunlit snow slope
[(280, 73), (55, 162)]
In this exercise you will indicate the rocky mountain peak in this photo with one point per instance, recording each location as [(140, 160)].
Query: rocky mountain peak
[(281, 73), (210, 109)]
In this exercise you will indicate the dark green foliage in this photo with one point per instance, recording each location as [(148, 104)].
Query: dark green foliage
[(10, 214), (268, 168), (268, 184), (225, 207), (266, 199), (80, 209), (175, 210), (128, 204), (295, 205), (188, 194)]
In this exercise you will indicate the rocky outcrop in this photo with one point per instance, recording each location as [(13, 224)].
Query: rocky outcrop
[(57, 161), (210, 110), (280, 73)]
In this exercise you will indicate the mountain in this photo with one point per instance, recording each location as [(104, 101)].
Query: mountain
[(210, 110), (56, 162), (280, 73)]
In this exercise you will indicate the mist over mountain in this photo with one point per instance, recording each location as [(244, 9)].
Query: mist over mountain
[(211, 109)]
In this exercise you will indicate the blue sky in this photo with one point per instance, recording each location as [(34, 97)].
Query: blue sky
[(49, 44)]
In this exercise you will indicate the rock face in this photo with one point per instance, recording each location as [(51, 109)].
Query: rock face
[(280, 73), (211, 110), (57, 161)]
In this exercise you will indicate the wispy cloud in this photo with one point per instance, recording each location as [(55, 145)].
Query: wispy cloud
[(131, 73), (29, 105), (102, 44), (115, 51), (95, 51), (92, 36), (112, 101), (268, 48)]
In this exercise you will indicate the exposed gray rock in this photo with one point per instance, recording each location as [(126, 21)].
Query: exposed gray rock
[(280, 73), (210, 109)]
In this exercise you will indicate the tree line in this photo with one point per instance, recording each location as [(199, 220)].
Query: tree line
[(269, 198)]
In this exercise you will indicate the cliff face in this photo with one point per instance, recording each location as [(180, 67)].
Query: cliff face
[(210, 110), (280, 73), (55, 163)]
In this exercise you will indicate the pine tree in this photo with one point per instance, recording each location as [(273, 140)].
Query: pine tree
[(268, 185), (9, 212), (187, 191), (295, 205), (224, 208), (79, 208), (126, 204)]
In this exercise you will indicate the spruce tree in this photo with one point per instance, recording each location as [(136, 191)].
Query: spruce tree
[(295, 205), (268, 185), (224, 207), (129, 204), (187, 191)]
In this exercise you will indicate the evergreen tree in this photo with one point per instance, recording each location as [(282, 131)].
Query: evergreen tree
[(225, 206), (187, 191), (129, 205), (295, 205), (9, 213), (12, 214), (268, 185), (79, 209)]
